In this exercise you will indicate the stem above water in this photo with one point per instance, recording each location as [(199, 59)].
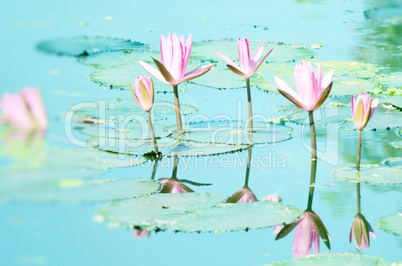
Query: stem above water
[(359, 149), (177, 107), (312, 136), (151, 128), (250, 111)]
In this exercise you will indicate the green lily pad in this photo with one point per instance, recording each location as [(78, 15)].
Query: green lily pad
[(387, 173), (350, 78), (77, 190), (191, 212), (335, 259), (117, 58), (221, 77), (119, 77), (167, 146), (229, 217), (234, 132), (126, 110), (391, 224), (387, 14), (157, 211), (390, 80), (84, 45), (205, 51)]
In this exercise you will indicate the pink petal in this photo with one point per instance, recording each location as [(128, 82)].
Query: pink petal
[(229, 61), (327, 79), (16, 111), (282, 86), (318, 77), (188, 47), (197, 72), (258, 54), (303, 238), (33, 99), (177, 60), (153, 71), (163, 46), (353, 104), (277, 229), (374, 105)]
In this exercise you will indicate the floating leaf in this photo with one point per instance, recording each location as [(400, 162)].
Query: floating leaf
[(390, 80), (335, 259), (192, 212), (387, 14), (157, 211), (228, 217), (84, 45), (221, 77), (167, 146), (389, 173), (205, 51), (391, 224), (117, 58), (126, 110), (234, 132), (120, 76), (77, 190)]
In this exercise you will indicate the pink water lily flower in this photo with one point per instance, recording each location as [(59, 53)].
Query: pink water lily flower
[(243, 195), (175, 53), (360, 232), (309, 229), (25, 110), (312, 89), (172, 185), (363, 109), (144, 92), (248, 66)]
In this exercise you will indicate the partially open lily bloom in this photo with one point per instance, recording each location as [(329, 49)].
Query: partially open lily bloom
[(312, 89), (144, 92), (248, 66), (360, 232), (25, 110), (243, 195), (363, 109), (175, 53), (309, 229)]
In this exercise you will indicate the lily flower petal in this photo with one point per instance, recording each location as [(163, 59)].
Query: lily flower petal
[(197, 72), (153, 71)]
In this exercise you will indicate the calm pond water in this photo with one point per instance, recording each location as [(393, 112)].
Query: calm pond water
[(71, 234)]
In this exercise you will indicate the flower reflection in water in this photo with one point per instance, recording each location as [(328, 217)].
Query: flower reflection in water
[(309, 228), (244, 195)]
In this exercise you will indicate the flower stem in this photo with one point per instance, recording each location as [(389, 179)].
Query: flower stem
[(151, 128), (312, 136), (248, 168), (312, 183), (359, 149), (177, 107), (154, 169), (358, 197), (313, 160), (250, 111), (175, 163)]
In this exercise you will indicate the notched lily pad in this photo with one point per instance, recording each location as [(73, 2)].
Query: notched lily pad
[(118, 58), (119, 77), (78, 190), (167, 146), (390, 172), (84, 45), (234, 132), (335, 259), (157, 211), (192, 212), (391, 224), (205, 51)]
